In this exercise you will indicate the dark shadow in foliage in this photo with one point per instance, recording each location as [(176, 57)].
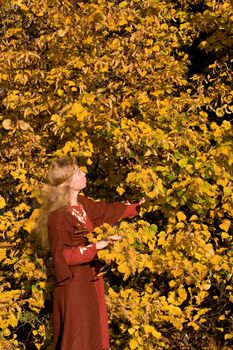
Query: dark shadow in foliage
[(200, 60)]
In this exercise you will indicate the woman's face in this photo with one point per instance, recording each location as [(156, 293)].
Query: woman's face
[(78, 180)]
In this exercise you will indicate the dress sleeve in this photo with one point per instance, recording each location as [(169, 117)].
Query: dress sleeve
[(110, 213), (79, 255), (60, 227), (131, 210)]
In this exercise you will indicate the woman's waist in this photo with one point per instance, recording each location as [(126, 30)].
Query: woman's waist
[(83, 267)]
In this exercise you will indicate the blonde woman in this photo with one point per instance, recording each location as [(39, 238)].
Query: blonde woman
[(79, 310)]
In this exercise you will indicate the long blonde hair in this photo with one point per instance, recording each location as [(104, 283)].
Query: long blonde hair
[(55, 195)]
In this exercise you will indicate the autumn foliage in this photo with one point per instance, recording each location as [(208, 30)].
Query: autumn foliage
[(140, 92)]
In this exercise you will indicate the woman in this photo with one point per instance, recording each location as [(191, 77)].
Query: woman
[(79, 310)]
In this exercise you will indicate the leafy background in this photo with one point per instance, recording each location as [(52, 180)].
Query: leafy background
[(140, 92)]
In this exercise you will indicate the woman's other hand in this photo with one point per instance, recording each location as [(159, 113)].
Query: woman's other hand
[(142, 201), (105, 242), (102, 244), (114, 238)]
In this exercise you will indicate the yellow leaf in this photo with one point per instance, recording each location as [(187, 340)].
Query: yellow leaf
[(206, 286), (180, 225), (183, 162), (152, 330), (30, 223), (172, 283), (76, 108), (193, 218), (60, 92), (4, 76), (156, 48), (39, 14), (149, 42), (62, 32), (7, 124), (216, 260), (24, 126), (123, 268), (225, 150), (123, 4), (220, 329), (6, 332), (148, 153), (120, 190), (162, 235), (133, 344), (22, 6), (115, 43), (222, 317), (172, 298), (2, 202), (2, 253), (200, 313), (79, 111), (22, 207), (225, 235), (228, 336), (226, 125), (217, 133), (12, 320), (55, 118), (143, 97), (71, 83), (88, 40), (148, 328), (156, 93), (156, 334), (182, 295), (225, 225), (181, 216), (177, 272), (131, 331), (194, 325)]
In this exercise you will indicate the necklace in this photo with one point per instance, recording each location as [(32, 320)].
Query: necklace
[(79, 213)]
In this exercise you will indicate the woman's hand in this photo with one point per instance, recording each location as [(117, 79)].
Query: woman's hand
[(114, 238), (105, 242), (141, 201), (102, 244)]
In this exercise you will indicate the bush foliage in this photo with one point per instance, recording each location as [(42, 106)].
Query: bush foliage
[(140, 92)]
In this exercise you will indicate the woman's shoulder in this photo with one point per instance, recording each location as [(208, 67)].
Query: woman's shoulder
[(89, 201), (60, 213), (82, 199)]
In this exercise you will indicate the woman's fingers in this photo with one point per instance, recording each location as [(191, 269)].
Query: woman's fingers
[(102, 244), (105, 242), (114, 238), (142, 200)]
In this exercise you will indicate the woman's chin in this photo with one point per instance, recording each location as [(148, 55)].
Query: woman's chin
[(84, 185)]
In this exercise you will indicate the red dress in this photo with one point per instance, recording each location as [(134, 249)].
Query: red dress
[(79, 309)]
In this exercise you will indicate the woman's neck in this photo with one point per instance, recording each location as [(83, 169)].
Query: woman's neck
[(73, 197)]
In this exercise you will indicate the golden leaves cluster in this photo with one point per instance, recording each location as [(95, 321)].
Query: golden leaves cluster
[(110, 83)]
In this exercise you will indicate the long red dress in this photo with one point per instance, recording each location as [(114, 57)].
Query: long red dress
[(79, 309)]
